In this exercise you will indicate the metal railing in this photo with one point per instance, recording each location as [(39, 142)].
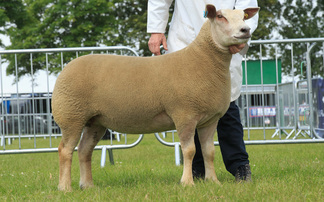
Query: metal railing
[(278, 108), (26, 117)]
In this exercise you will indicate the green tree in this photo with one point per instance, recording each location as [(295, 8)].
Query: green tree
[(302, 19), (76, 23), (290, 19), (269, 14), (11, 13)]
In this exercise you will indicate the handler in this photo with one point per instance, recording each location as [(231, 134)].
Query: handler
[(187, 19)]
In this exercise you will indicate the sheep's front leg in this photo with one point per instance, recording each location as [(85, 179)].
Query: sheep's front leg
[(188, 148), (206, 138)]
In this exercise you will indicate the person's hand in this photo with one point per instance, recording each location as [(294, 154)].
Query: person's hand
[(236, 48), (155, 41)]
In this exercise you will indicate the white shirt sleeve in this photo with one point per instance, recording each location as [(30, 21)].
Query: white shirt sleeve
[(157, 15)]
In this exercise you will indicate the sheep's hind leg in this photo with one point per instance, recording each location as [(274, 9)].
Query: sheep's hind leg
[(91, 136), (67, 145), (206, 138)]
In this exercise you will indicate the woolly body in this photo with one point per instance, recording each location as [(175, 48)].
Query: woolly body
[(183, 90), (144, 95)]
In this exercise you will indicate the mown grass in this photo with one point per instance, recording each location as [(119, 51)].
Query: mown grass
[(148, 172)]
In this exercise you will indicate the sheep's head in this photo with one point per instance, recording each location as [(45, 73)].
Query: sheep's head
[(228, 27)]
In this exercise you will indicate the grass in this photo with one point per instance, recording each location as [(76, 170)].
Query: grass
[(148, 172)]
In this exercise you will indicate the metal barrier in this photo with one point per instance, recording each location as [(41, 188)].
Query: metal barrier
[(285, 98), (26, 117), (179, 157), (283, 109)]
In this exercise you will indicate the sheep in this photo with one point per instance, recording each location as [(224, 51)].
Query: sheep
[(184, 90)]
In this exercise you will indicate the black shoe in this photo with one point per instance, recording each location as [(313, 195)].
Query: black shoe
[(243, 173)]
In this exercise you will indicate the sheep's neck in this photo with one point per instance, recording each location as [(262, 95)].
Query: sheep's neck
[(204, 41), (214, 58)]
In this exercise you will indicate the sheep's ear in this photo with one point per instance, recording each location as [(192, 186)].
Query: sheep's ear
[(250, 12), (210, 11)]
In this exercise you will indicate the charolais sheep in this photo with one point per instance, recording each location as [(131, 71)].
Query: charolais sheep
[(183, 90)]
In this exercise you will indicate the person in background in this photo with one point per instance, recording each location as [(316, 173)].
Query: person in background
[(187, 19)]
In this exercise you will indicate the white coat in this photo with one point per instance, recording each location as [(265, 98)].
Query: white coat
[(187, 19)]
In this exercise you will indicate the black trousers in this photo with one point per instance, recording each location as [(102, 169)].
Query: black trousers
[(230, 137)]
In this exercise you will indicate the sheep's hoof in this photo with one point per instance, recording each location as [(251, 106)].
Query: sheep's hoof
[(213, 179), (65, 188), (86, 186), (187, 183)]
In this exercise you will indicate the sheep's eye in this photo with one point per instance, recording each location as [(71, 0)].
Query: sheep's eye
[(219, 16)]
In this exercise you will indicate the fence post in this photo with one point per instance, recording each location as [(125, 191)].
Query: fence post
[(177, 153), (103, 156), (2, 140), (310, 91), (111, 156)]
